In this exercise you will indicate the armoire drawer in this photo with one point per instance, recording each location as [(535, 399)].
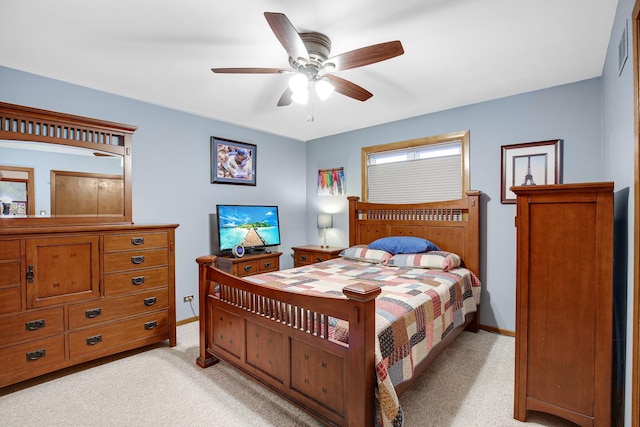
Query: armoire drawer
[(118, 333), (134, 241), (34, 355), (127, 261), (133, 281), (31, 325), (107, 309)]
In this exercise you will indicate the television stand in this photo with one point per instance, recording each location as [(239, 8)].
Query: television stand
[(250, 264)]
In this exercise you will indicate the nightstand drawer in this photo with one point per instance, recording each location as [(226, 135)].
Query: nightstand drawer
[(92, 313), (305, 255), (311, 258)]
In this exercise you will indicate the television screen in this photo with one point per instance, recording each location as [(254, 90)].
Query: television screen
[(249, 226)]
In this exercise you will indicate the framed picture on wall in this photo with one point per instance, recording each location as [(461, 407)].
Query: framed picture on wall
[(531, 163), (232, 162)]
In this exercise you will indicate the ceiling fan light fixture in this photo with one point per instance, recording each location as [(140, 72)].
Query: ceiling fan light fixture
[(298, 82), (300, 96), (324, 88)]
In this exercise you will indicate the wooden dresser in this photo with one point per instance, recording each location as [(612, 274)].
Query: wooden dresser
[(249, 264), (564, 301), (76, 293), (305, 255)]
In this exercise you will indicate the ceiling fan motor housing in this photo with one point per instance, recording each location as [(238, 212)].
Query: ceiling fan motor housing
[(318, 47)]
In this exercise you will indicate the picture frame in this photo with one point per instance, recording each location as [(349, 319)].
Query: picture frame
[(233, 162), (531, 163)]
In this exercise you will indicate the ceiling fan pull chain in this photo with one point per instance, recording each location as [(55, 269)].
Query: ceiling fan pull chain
[(310, 117)]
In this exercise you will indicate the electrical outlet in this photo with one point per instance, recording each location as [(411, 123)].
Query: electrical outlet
[(188, 298)]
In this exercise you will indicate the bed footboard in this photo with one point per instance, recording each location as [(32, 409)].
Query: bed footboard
[(283, 340)]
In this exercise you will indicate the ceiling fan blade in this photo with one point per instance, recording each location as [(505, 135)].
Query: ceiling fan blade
[(349, 89), (287, 35), (365, 56), (285, 99), (250, 70)]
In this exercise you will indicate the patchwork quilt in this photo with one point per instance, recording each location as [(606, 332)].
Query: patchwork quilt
[(417, 309)]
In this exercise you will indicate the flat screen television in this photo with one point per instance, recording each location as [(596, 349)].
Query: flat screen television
[(253, 226)]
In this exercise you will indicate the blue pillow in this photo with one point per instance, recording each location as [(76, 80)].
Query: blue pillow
[(403, 245)]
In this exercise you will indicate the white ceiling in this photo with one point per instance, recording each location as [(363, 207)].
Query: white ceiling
[(457, 52)]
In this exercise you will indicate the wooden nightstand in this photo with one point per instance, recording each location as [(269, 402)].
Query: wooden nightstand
[(305, 255), (249, 264)]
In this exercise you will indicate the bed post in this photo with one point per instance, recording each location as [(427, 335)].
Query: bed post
[(353, 216), (472, 255), (204, 360), (361, 377)]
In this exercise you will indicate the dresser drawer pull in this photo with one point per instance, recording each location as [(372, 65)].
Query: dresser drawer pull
[(35, 355), (137, 280), (318, 259), (94, 340), (150, 301), (30, 274), (137, 259), (247, 268), (267, 264), (137, 241), (151, 325), (34, 325), (303, 257), (93, 313)]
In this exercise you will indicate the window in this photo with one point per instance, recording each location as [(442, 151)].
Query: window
[(419, 170)]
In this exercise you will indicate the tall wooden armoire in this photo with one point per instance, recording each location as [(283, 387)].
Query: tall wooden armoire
[(564, 301)]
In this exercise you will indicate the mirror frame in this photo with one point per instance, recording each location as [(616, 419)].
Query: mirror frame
[(20, 123)]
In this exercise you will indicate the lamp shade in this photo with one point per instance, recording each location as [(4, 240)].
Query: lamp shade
[(325, 221)]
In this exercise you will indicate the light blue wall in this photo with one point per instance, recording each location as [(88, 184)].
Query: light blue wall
[(171, 179), (619, 153), (570, 112)]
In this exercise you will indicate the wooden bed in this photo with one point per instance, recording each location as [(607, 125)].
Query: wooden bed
[(281, 339)]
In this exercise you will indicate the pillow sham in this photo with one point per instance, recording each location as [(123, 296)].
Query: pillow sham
[(439, 260), (363, 253), (403, 245)]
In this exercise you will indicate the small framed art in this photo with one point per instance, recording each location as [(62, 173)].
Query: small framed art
[(531, 163), (232, 162)]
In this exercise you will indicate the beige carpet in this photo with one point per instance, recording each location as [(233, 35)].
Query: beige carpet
[(471, 384)]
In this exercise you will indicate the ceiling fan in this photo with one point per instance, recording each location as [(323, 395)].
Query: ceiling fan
[(310, 63)]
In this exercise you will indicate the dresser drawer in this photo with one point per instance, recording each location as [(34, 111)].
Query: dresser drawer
[(104, 310), (125, 283), (9, 273), (35, 355), (10, 300), (10, 250), (134, 260), (31, 325), (107, 336), (134, 241)]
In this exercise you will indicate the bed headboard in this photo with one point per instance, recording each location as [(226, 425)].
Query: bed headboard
[(453, 225)]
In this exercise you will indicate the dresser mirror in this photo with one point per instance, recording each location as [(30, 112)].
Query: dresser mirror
[(57, 168)]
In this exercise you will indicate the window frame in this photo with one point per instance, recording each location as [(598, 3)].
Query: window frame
[(462, 136)]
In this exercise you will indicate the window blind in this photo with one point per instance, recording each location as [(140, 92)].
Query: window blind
[(415, 181)]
